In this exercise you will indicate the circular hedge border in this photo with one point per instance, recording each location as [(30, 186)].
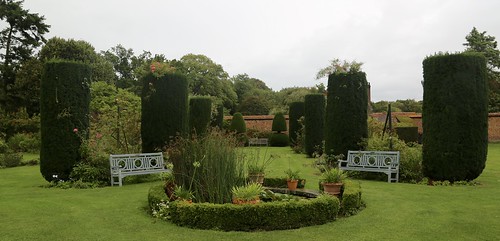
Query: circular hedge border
[(261, 216)]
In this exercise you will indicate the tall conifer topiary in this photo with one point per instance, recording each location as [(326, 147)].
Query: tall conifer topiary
[(455, 116), (238, 123), (200, 111), (296, 110), (164, 109), (279, 125), (346, 112), (314, 113), (64, 109)]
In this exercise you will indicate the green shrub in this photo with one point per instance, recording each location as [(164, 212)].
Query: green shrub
[(346, 112), (262, 216), (11, 159), (3, 146), (164, 110), (278, 139), (19, 122), (200, 111), (209, 166), (156, 194), (238, 123), (22, 142), (94, 170), (279, 123), (218, 117), (351, 201), (281, 182), (296, 111), (314, 113), (407, 134), (64, 113), (455, 116)]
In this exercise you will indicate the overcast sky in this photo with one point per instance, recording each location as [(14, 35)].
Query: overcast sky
[(282, 42)]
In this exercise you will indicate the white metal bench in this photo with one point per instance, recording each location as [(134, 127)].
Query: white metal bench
[(123, 165), (373, 161), (258, 142)]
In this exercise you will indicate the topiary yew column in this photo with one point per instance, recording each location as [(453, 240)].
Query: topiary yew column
[(314, 113), (296, 110), (200, 112), (238, 123), (455, 116), (279, 125), (164, 109), (64, 108), (346, 112)]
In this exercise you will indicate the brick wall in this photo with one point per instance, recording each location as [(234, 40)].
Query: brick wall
[(262, 123)]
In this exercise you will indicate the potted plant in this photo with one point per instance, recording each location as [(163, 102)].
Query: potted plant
[(292, 179), (256, 166), (247, 194), (183, 194), (332, 180)]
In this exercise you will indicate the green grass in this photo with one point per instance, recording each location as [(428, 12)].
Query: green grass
[(394, 211)]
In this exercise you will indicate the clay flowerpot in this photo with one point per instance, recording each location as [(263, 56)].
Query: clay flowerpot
[(332, 188), (292, 184), (256, 178)]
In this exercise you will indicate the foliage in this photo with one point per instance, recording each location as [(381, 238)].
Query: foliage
[(264, 216), (278, 139), (333, 175), (26, 90), (200, 110), (254, 97), (351, 202), (346, 112), (22, 33), (407, 134), (209, 166), (205, 77), (408, 105), (217, 117), (456, 128), (248, 192), (292, 174), (296, 111), (339, 67), (164, 110), (255, 105), (257, 163), (487, 45), (10, 159), (286, 96), (183, 194), (23, 142), (238, 123), (279, 123), (314, 114), (280, 182), (65, 98)]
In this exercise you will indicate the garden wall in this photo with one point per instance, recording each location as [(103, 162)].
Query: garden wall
[(263, 123)]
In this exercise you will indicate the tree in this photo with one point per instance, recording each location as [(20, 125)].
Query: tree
[(487, 45), (244, 85), (338, 66), (314, 114), (23, 33), (206, 77)]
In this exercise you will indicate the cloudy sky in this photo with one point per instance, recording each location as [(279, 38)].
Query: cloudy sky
[(282, 42)]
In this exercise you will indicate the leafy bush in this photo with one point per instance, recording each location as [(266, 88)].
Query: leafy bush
[(314, 123), (351, 199), (64, 112), (262, 216), (11, 159), (209, 166), (22, 142), (3, 146), (455, 116), (278, 139), (19, 122), (238, 123)]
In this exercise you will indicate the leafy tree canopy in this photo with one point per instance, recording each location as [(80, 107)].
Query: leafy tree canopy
[(339, 66)]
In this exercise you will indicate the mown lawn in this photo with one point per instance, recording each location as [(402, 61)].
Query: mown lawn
[(394, 211)]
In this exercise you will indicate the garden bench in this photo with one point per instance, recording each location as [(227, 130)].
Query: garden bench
[(123, 165), (257, 142), (373, 161)]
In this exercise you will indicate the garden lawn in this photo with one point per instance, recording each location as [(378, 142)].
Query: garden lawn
[(394, 211)]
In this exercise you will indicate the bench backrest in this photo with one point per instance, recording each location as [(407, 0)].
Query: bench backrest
[(373, 159), (134, 162)]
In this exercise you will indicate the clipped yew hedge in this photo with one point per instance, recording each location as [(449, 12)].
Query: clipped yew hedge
[(314, 123), (296, 110), (455, 116), (238, 123), (64, 116), (279, 123), (346, 112), (200, 113), (164, 103)]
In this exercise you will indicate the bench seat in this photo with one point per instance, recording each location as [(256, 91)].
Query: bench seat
[(373, 161), (122, 165)]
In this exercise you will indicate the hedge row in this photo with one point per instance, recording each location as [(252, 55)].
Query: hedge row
[(351, 199), (295, 112), (262, 216), (200, 113), (314, 123), (281, 182)]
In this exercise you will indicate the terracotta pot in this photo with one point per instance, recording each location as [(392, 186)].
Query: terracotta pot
[(292, 184), (332, 188), (256, 178)]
